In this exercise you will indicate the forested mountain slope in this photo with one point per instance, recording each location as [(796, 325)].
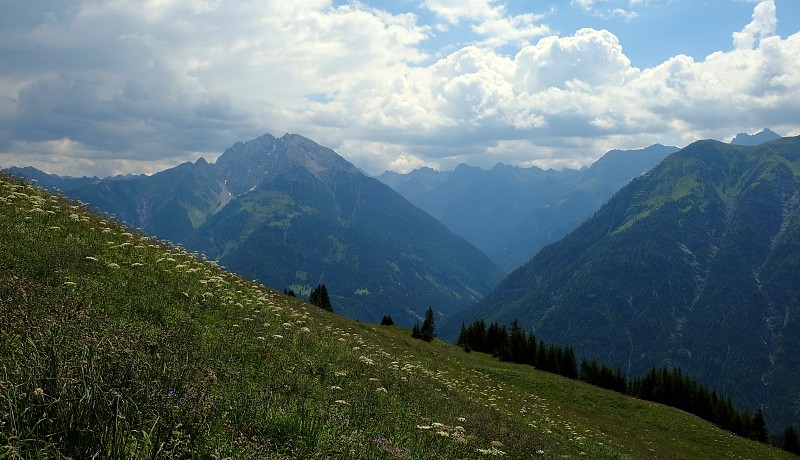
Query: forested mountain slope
[(695, 264)]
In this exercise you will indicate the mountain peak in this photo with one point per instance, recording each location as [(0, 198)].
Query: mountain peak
[(765, 135)]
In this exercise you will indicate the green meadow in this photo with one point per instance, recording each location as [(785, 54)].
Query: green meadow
[(116, 345)]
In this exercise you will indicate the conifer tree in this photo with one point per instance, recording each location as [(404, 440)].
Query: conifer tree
[(790, 443), (758, 428), (519, 343), (319, 297), (428, 331), (387, 320), (416, 332)]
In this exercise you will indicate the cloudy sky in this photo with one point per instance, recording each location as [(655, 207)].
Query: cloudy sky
[(104, 87)]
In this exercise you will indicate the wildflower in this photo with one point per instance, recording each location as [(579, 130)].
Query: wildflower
[(342, 402), (461, 419), (261, 338), (424, 427), (38, 392), (70, 283), (305, 329), (335, 387), (540, 452), (93, 259), (277, 336), (443, 434), (112, 265), (381, 390)]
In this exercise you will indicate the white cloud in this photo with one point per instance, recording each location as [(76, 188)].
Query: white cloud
[(104, 86), (454, 11), (489, 19), (763, 25)]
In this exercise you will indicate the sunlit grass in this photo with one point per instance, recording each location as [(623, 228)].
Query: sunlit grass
[(114, 345)]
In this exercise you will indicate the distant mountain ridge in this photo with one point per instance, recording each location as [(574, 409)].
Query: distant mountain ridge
[(291, 213), (511, 212), (692, 265), (754, 139)]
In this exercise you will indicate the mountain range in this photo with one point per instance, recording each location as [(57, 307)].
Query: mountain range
[(692, 265), (293, 214), (511, 212)]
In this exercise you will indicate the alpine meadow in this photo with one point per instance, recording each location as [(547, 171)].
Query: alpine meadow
[(116, 345), (409, 230)]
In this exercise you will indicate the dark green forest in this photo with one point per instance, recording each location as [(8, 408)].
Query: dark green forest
[(664, 386)]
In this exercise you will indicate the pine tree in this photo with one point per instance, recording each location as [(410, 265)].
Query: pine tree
[(567, 367), (758, 429), (319, 297), (428, 331), (519, 343), (790, 443), (416, 332), (387, 320)]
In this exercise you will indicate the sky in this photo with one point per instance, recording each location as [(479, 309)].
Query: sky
[(104, 87)]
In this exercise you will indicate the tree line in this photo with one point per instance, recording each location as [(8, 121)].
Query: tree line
[(669, 387)]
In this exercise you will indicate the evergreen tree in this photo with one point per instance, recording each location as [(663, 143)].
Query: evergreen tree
[(428, 331), (518, 343), (289, 292), (387, 320), (416, 332), (790, 443), (319, 297), (567, 367), (530, 351), (758, 429)]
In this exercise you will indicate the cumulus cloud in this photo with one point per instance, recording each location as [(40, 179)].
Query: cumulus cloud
[(100, 87), (610, 8), (489, 19), (764, 22)]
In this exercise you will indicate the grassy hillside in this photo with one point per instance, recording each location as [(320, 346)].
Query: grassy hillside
[(116, 345)]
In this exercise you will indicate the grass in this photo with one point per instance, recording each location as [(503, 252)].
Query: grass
[(114, 345)]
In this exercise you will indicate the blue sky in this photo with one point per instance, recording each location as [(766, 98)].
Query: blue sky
[(105, 87)]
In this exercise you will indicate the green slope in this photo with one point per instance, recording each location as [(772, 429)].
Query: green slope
[(693, 265), (291, 213), (113, 345)]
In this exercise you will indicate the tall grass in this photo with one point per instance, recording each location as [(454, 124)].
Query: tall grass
[(114, 345)]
